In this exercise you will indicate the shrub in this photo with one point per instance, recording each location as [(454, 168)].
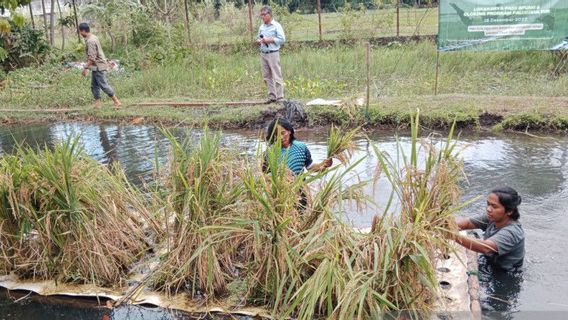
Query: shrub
[(22, 46)]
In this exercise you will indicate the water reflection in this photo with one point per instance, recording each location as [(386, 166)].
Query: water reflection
[(537, 168)]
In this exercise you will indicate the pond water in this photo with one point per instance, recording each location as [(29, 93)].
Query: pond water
[(536, 167)]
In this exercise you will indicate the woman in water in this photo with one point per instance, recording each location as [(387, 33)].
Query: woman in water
[(503, 244), (297, 155)]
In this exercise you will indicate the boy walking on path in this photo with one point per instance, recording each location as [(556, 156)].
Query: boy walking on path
[(98, 64)]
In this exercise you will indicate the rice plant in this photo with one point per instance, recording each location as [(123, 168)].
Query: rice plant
[(340, 144), (202, 186), (226, 227), (70, 218)]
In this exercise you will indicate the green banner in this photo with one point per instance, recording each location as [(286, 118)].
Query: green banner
[(503, 25)]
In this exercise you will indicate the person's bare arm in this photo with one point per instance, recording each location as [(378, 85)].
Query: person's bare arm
[(477, 245), (481, 246), (465, 224)]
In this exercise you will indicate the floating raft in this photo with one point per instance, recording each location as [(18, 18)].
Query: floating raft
[(179, 302), (456, 297)]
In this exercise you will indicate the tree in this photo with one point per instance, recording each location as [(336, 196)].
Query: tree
[(12, 4), (44, 19), (76, 20), (52, 22), (21, 46), (62, 25), (114, 17)]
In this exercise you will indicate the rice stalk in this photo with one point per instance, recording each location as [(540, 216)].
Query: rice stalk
[(202, 186), (73, 219), (340, 144)]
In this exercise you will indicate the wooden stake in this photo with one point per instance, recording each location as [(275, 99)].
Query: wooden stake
[(250, 19), (32, 15), (187, 25), (437, 72), (319, 19), (368, 63), (398, 18), (199, 104)]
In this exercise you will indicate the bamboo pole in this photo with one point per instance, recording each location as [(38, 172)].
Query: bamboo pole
[(398, 18), (32, 15), (319, 20), (437, 72), (368, 64), (199, 104), (187, 25)]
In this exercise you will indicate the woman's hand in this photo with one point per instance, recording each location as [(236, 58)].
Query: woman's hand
[(321, 166)]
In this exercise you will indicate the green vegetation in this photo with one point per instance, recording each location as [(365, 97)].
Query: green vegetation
[(340, 144), (221, 226), (210, 57), (403, 77)]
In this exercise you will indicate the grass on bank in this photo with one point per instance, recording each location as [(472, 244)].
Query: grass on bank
[(517, 87), (336, 72)]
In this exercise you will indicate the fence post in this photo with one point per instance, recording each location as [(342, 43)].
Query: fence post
[(187, 23), (368, 63), (319, 19), (398, 18), (32, 15), (437, 71), (250, 18)]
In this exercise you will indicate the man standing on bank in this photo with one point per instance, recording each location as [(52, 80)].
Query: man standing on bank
[(98, 64), (270, 38)]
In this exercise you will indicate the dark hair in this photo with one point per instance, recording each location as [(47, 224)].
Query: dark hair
[(510, 199), (266, 9), (271, 133), (84, 27)]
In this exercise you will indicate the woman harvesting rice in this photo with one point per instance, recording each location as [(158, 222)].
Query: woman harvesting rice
[(504, 239), (296, 154)]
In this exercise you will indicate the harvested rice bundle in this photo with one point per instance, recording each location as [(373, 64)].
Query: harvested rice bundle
[(73, 220), (340, 144), (202, 187)]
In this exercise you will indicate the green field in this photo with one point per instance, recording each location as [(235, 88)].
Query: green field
[(233, 25), (519, 89)]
